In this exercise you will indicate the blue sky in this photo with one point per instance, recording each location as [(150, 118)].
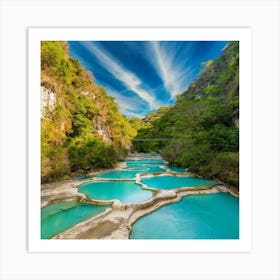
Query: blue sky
[(144, 75)]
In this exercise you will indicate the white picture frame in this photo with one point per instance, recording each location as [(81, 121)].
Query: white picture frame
[(261, 261), (243, 35)]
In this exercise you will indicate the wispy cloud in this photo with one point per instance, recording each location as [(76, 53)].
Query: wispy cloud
[(171, 70), (130, 80), (131, 114), (129, 106), (144, 75)]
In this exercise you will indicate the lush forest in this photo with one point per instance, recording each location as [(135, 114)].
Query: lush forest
[(81, 126), (204, 122)]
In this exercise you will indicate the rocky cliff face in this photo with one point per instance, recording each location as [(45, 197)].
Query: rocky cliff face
[(203, 125), (219, 79), (81, 126), (48, 101)]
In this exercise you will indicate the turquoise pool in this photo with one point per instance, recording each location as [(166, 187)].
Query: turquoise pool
[(125, 191), (58, 217), (177, 169), (145, 161), (119, 174), (171, 182), (212, 216), (147, 165)]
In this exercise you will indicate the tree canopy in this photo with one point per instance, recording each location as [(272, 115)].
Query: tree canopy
[(203, 122), (85, 130)]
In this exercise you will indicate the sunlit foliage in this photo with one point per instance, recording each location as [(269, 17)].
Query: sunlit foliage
[(202, 122), (85, 130)]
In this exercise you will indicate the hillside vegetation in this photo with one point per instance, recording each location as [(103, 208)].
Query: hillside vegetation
[(204, 122), (81, 126)]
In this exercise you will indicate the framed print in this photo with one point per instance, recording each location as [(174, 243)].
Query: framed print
[(125, 129), (139, 139)]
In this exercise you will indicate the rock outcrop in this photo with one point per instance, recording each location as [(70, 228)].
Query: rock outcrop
[(82, 128), (48, 100), (116, 222)]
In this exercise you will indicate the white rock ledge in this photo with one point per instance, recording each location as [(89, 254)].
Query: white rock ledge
[(117, 221)]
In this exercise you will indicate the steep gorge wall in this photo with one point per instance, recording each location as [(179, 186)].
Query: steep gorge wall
[(204, 122), (81, 126)]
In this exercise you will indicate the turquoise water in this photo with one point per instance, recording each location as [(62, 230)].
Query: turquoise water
[(58, 217), (147, 165), (125, 191), (119, 174), (194, 217), (177, 169), (155, 169), (171, 182), (148, 169), (134, 167), (145, 161), (213, 216)]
